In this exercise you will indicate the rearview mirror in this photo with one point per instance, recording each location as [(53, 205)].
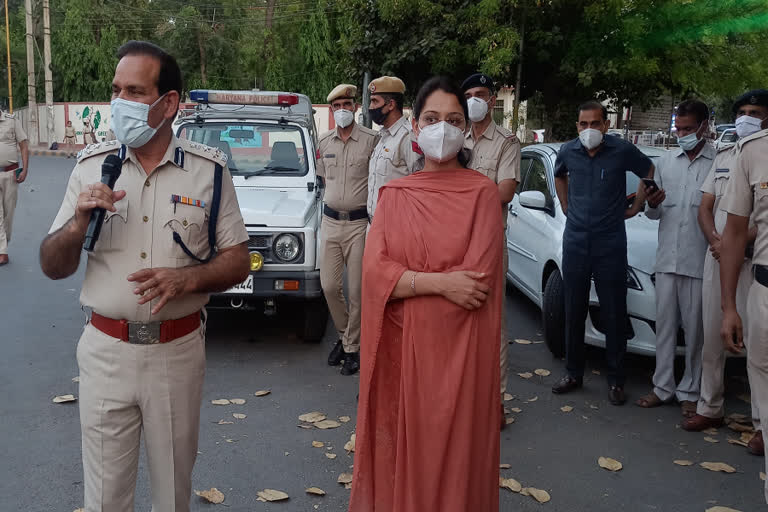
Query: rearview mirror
[(241, 134), (534, 200)]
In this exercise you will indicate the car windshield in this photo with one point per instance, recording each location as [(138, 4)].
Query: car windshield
[(730, 136), (254, 149), (633, 181)]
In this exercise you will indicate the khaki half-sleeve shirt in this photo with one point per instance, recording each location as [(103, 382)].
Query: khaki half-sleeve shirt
[(496, 153), (11, 134), (344, 165), (139, 234), (392, 158)]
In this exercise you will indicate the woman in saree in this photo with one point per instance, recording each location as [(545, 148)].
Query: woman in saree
[(428, 417)]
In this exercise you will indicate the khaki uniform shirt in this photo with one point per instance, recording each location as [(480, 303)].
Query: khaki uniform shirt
[(747, 191), (717, 182), (11, 134), (139, 234), (392, 158), (344, 166), (69, 131)]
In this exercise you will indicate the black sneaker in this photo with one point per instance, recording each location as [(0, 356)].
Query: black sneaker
[(336, 355), (351, 363)]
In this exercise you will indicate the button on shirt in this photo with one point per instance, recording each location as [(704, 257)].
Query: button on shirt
[(393, 158), (344, 165), (682, 245), (11, 134), (129, 243), (747, 192), (597, 186)]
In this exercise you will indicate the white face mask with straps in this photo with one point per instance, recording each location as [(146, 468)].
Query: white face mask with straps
[(590, 138), (440, 141), (129, 121), (478, 109)]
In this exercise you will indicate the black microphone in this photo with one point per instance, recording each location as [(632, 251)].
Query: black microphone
[(110, 171)]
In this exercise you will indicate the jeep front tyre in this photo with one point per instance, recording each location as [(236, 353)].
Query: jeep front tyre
[(553, 314), (314, 320)]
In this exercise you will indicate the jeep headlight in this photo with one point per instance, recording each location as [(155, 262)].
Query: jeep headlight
[(286, 248)]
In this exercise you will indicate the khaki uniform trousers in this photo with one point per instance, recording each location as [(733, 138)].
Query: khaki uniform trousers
[(343, 244), (124, 389), (713, 354), (757, 352), (503, 356), (8, 193)]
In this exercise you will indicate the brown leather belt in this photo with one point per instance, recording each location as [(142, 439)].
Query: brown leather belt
[(150, 333), (11, 167), (360, 213)]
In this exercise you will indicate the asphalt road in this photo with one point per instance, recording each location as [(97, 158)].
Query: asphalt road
[(545, 447)]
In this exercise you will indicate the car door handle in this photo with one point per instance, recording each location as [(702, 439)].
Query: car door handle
[(513, 212)]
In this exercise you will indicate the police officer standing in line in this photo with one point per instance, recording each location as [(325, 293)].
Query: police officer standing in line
[(747, 196), (496, 153), (343, 166), (750, 109), (142, 354), (11, 135), (590, 178), (394, 156)]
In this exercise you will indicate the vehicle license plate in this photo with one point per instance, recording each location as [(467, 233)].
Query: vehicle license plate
[(244, 287)]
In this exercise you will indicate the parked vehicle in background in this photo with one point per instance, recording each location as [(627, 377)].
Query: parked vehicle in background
[(726, 139), (720, 128)]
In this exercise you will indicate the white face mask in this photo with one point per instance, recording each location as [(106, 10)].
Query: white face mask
[(747, 125), (129, 122), (590, 138), (477, 109), (343, 117), (440, 141)]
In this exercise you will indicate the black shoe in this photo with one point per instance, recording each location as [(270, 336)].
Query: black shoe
[(351, 363), (616, 395), (336, 355), (567, 384)]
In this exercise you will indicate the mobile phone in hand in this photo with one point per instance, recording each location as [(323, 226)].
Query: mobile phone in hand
[(650, 185), (18, 172)]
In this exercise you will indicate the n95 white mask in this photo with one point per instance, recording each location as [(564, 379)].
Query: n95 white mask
[(590, 138), (343, 117), (440, 141), (478, 109)]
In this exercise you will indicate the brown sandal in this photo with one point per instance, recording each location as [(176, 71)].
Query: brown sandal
[(688, 408), (650, 400)]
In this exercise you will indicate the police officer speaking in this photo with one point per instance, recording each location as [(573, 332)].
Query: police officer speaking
[(343, 165), (496, 153), (142, 353)]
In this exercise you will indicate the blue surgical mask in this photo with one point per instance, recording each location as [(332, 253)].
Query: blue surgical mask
[(129, 122), (688, 142)]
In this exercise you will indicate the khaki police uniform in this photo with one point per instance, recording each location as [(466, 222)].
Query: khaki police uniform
[(69, 135), (11, 134), (496, 153), (344, 167), (125, 387), (747, 196), (711, 397)]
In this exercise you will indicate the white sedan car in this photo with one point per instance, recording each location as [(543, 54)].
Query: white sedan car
[(535, 246)]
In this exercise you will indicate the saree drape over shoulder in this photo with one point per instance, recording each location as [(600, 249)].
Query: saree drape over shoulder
[(428, 416)]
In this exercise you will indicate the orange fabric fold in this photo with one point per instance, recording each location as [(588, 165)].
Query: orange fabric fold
[(428, 415)]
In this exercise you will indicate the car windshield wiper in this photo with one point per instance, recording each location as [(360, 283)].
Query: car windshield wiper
[(270, 169)]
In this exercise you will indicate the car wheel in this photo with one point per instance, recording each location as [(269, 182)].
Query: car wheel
[(314, 321), (553, 313)]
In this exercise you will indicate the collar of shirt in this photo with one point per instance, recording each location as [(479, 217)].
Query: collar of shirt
[(708, 152), (488, 133), (354, 135), (168, 157), (400, 123)]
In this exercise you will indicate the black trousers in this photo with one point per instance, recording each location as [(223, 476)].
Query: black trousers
[(606, 261)]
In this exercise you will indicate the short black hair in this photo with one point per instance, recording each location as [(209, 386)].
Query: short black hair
[(594, 105), (398, 98), (696, 108), (169, 78), (438, 83)]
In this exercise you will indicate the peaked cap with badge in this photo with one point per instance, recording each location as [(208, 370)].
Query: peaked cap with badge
[(387, 84), (755, 97), (478, 80), (342, 91)]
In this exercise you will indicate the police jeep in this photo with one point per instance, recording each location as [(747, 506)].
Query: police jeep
[(270, 141)]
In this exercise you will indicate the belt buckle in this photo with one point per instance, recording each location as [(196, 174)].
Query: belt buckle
[(343, 215), (144, 334)]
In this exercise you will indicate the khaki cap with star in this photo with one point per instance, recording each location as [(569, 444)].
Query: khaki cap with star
[(387, 84), (342, 91)]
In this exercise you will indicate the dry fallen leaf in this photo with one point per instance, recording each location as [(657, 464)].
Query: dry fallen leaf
[(538, 494), (532, 399), (239, 416), (220, 401), (508, 397), (722, 509), (271, 495), (718, 466), (710, 431), (76, 379), (738, 427), (566, 408), (306, 427), (318, 444), (510, 421), (237, 401), (263, 392), (511, 484), (523, 342), (541, 372), (684, 462), (312, 417), (526, 375), (79, 510), (516, 410), (739, 418), (213, 495), (231, 440), (504, 466), (711, 440), (762, 476), (345, 478), (63, 399), (316, 491), (331, 455), (326, 424), (344, 419), (350, 446), (609, 464), (738, 442), (746, 437), (593, 406), (222, 422)]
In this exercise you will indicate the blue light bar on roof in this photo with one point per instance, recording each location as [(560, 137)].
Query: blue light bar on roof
[(244, 98)]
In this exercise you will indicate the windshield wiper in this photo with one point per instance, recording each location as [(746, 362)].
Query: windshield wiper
[(268, 170)]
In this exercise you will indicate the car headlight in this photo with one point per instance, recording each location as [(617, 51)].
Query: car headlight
[(632, 281), (286, 247)]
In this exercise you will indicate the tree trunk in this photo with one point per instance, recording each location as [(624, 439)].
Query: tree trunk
[(270, 13), (519, 80), (201, 46)]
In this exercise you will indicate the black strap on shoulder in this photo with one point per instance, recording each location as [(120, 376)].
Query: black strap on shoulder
[(217, 177)]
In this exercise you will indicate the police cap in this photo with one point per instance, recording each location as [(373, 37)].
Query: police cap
[(342, 91), (755, 97), (478, 80), (387, 84)]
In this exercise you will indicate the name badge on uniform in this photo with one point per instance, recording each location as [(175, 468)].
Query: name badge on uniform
[(329, 155), (721, 170), (176, 199)]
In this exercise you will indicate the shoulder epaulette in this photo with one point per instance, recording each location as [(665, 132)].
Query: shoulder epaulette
[(97, 149), (325, 135), (215, 155), (507, 134), (368, 131), (754, 136)]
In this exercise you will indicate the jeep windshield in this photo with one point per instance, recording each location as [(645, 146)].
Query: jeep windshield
[(254, 149)]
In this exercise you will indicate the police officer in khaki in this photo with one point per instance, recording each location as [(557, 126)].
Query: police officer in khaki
[(142, 354), (495, 153), (11, 136), (394, 156), (343, 165), (747, 197), (750, 109)]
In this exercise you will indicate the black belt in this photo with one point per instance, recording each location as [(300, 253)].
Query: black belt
[(761, 274), (360, 213)]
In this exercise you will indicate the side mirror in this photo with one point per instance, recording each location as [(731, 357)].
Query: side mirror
[(534, 200)]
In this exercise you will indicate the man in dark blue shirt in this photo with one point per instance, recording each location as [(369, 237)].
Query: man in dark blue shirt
[(590, 178)]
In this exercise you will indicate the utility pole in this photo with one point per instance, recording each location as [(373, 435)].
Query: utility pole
[(32, 130), (8, 50), (49, 122), (366, 99)]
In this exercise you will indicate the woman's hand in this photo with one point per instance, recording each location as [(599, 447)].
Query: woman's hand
[(465, 289)]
